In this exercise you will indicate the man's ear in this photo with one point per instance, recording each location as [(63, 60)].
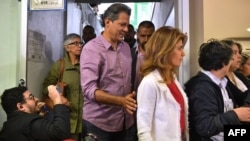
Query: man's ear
[(19, 107), (107, 22)]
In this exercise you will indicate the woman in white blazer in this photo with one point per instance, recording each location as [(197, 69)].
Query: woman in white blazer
[(162, 113)]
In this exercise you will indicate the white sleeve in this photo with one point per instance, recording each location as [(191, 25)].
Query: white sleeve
[(146, 99)]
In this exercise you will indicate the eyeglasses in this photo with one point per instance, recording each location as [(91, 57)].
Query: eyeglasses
[(76, 43), (31, 97)]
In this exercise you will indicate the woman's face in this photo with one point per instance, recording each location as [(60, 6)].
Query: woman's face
[(228, 66), (177, 55), (237, 58), (75, 47), (245, 68)]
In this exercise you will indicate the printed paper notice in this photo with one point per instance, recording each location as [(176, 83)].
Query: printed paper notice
[(36, 42)]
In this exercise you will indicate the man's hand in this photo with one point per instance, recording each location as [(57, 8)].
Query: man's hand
[(129, 103), (54, 95), (243, 113), (65, 101), (40, 110)]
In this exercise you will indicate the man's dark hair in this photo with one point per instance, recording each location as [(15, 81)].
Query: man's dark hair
[(214, 54), (89, 27), (130, 26), (146, 24), (94, 4), (11, 97), (88, 33), (114, 10)]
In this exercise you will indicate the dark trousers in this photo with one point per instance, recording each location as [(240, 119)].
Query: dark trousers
[(91, 131)]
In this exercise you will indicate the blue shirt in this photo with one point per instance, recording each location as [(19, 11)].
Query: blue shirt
[(102, 67)]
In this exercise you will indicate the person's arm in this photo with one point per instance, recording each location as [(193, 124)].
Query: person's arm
[(146, 99), (52, 77), (128, 101), (59, 128), (243, 113), (91, 63), (89, 71), (206, 117)]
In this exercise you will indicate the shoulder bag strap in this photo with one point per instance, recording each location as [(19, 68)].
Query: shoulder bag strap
[(61, 70)]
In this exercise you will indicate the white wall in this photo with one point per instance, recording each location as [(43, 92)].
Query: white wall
[(226, 18), (246, 46), (9, 39), (196, 33)]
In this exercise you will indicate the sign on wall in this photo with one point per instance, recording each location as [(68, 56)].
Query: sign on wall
[(35, 42), (46, 4)]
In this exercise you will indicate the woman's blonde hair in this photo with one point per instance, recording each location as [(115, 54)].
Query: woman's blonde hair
[(158, 50)]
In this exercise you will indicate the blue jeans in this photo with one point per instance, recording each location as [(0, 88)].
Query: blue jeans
[(128, 135)]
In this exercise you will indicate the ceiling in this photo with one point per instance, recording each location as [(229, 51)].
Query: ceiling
[(227, 19)]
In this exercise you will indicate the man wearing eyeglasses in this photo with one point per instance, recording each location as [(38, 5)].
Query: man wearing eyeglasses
[(24, 124)]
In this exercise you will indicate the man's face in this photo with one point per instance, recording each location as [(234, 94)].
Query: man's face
[(236, 58), (88, 34), (143, 34), (117, 29), (30, 103), (130, 34)]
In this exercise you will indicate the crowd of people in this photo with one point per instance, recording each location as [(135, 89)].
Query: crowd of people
[(125, 88)]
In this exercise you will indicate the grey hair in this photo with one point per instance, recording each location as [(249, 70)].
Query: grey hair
[(69, 37), (114, 10)]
